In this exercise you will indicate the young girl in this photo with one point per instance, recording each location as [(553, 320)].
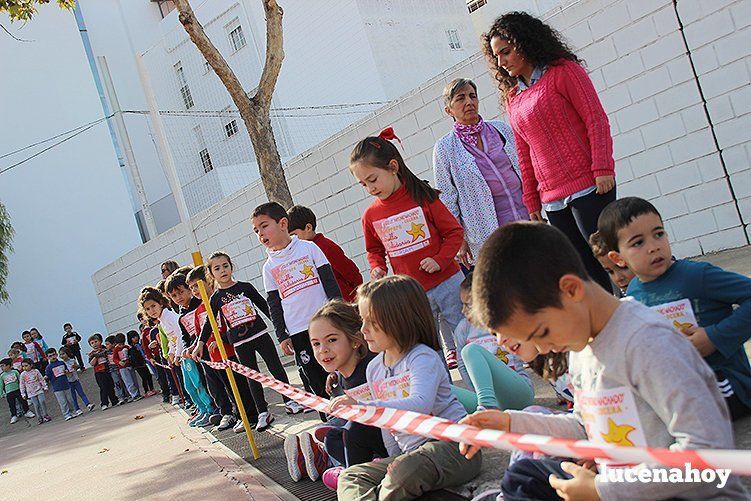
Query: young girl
[(34, 351), (497, 377), (71, 372), (37, 336), (406, 374), (138, 360), (237, 304), (340, 348), (409, 224), (32, 389)]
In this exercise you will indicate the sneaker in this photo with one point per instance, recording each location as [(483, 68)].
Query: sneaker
[(193, 420), (104, 407), (41, 421), (77, 413), (30, 414), (239, 426), (215, 419), (204, 421), (320, 433), (69, 417), (14, 420), (137, 398), (316, 459), (175, 400), (91, 407), (451, 359), (264, 421), (330, 477), (165, 400), (292, 407), (121, 402), (228, 421), (295, 459), (47, 419)]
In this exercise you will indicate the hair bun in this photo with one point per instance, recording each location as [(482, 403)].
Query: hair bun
[(389, 135)]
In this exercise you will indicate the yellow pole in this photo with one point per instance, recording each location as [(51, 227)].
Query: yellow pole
[(198, 261)]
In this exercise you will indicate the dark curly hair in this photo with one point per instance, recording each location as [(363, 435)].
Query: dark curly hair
[(537, 42)]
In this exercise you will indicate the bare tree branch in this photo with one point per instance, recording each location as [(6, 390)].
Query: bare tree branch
[(274, 54)]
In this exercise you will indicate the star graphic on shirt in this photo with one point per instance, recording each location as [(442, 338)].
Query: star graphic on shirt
[(416, 231), (618, 434), (248, 310), (307, 271)]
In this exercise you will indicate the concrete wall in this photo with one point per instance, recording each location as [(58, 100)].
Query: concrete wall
[(664, 147)]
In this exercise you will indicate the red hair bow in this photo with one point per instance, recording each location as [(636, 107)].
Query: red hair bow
[(389, 135)]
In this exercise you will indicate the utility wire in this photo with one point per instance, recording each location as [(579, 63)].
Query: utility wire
[(94, 122)]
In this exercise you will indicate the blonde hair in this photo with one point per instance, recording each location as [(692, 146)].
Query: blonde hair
[(345, 317)]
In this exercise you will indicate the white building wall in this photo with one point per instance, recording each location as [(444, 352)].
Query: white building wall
[(663, 147), (69, 206)]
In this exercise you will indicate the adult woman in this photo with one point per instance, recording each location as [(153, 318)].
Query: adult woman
[(562, 132), (168, 267), (476, 170)]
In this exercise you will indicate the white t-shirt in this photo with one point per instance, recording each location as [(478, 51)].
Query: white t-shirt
[(170, 324), (293, 271)]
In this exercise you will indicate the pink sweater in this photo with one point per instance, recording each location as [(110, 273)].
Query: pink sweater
[(562, 134)]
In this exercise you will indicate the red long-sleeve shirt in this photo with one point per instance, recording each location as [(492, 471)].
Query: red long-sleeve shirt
[(345, 270), (408, 233)]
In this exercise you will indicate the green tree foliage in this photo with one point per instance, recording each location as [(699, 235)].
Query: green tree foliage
[(24, 10), (6, 247)]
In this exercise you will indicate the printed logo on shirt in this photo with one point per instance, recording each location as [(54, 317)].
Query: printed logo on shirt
[(58, 371), (490, 343), (239, 311), (392, 388), (124, 353), (360, 393), (190, 326), (403, 233), (294, 276), (70, 340), (111, 358), (304, 357), (680, 314), (202, 320), (9, 378)]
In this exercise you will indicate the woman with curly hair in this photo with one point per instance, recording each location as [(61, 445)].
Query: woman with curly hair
[(562, 133)]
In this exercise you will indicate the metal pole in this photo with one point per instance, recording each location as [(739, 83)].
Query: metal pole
[(130, 159)]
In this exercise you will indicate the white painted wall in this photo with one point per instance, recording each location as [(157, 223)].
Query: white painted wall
[(69, 206)]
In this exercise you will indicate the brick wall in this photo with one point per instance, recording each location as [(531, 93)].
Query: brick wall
[(664, 147)]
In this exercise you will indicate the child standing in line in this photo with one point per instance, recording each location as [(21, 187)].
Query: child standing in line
[(120, 390), (121, 355), (621, 276), (72, 340), (298, 280), (407, 374), (99, 361), (138, 362), (34, 351), (531, 284), (32, 388), (10, 388), (16, 358), (55, 373), (153, 355), (71, 372), (37, 336), (302, 224), (633, 228), (409, 224)]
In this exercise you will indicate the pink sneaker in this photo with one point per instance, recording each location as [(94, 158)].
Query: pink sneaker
[(451, 361), (330, 477)]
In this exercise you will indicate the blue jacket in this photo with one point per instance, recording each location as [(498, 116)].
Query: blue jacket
[(58, 383)]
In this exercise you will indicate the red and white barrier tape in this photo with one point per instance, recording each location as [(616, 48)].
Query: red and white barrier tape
[(739, 461)]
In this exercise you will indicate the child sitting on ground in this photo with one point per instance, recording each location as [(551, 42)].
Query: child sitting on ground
[(531, 284), (302, 224), (32, 388), (634, 230), (55, 373), (621, 276), (71, 372), (10, 388)]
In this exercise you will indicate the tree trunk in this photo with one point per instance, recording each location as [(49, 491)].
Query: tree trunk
[(253, 110)]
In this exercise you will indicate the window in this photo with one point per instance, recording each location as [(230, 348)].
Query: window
[(454, 42), (237, 38), (230, 128), (203, 151), (184, 89), (206, 67), (473, 5), (165, 6)]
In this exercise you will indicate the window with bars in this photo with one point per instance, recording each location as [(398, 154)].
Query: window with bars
[(230, 128), (203, 151), (453, 37), (237, 38), (184, 89), (475, 4)]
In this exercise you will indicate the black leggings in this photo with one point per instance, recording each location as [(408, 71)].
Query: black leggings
[(106, 388), (246, 353), (146, 379), (245, 395), (313, 375), (219, 389), (161, 377), (578, 221), (13, 397)]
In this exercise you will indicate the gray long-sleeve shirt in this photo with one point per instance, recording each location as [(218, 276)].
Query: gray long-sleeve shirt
[(641, 383)]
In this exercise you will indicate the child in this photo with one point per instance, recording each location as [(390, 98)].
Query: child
[(620, 275), (16, 358), (114, 368), (10, 384), (498, 378), (98, 360), (409, 224), (153, 355), (55, 373), (32, 388), (71, 339), (37, 336), (237, 304), (530, 283), (340, 348), (302, 224), (34, 351), (298, 280), (634, 230), (121, 355), (216, 379), (406, 374), (71, 372), (138, 362)]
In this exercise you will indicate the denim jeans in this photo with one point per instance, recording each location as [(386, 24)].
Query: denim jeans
[(118, 382), (40, 405), (76, 388), (447, 307), (129, 378)]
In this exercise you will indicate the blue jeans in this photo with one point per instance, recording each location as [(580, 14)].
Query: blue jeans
[(447, 307), (76, 388)]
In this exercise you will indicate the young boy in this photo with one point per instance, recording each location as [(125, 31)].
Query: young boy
[(109, 345), (72, 340), (76, 390), (298, 280), (177, 290), (634, 230), (99, 361), (55, 373), (10, 383), (531, 284), (302, 224), (34, 351), (120, 354), (620, 275)]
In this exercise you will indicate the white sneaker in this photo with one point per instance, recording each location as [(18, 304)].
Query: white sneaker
[(105, 407), (30, 414), (228, 421), (69, 417), (239, 426), (13, 419), (91, 407), (77, 413), (264, 421), (292, 407), (175, 400)]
